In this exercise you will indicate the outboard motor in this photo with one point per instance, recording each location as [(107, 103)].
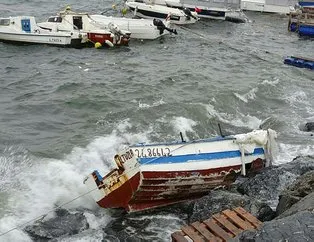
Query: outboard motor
[(118, 33), (188, 13), (161, 27)]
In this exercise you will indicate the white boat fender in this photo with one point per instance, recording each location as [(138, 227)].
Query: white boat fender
[(109, 43)]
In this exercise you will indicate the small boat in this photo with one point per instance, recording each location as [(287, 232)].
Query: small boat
[(69, 21), (269, 6), (139, 28), (175, 16), (208, 9), (300, 62), (306, 3), (24, 30), (153, 175), (302, 22)]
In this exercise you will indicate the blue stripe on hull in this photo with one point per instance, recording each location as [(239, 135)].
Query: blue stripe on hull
[(203, 156)]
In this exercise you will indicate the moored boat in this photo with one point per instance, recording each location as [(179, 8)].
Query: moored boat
[(175, 16), (70, 21), (139, 28), (154, 175), (269, 6), (24, 30), (222, 10)]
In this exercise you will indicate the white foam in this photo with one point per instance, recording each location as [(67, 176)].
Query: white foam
[(49, 183), (248, 96), (154, 104), (181, 124)]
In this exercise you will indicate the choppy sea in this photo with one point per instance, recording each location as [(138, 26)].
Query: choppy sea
[(65, 112)]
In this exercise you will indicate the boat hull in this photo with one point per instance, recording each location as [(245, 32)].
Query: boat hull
[(29, 38), (150, 176)]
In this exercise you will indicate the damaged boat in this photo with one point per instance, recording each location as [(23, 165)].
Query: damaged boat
[(153, 175), (69, 21)]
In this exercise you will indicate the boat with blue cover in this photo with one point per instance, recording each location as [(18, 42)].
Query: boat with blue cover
[(302, 22), (153, 175), (300, 62)]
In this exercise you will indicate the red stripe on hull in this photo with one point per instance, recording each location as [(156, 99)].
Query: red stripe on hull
[(183, 174)]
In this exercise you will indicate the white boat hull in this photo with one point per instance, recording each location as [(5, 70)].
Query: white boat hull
[(139, 28), (263, 6), (36, 38), (175, 16)]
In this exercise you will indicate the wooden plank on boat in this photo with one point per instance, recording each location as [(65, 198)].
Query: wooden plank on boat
[(221, 227), (200, 227), (192, 233), (249, 217), (233, 216)]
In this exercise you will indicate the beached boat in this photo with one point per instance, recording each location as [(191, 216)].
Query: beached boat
[(139, 28), (175, 16), (70, 21), (270, 6), (153, 175), (210, 9), (24, 30)]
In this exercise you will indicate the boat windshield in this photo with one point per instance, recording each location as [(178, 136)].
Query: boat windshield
[(5, 22), (55, 19)]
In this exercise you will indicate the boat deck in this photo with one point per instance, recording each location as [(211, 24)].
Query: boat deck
[(221, 227)]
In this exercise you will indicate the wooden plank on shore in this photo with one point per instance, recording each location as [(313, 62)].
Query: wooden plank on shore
[(233, 216), (227, 224), (217, 230), (192, 233), (249, 217), (178, 236), (200, 227)]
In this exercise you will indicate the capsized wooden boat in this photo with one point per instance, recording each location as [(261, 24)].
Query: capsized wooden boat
[(24, 30), (70, 21), (139, 28), (154, 175), (176, 16)]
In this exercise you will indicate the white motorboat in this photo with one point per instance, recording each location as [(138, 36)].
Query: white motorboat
[(176, 16), (24, 30), (139, 28), (210, 9), (270, 6), (69, 21)]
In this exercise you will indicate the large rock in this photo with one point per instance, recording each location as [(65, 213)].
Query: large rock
[(309, 126), (219, 200), (298, 227), (63, 224), (302, 187), (306, 203), (268, 183)]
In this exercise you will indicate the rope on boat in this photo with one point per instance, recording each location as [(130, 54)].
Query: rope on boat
[(41, 217)]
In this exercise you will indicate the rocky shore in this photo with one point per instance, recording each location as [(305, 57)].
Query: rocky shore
[(282, 197)]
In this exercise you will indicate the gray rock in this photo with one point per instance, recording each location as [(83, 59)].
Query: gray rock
[(309, 126), (298, 227), (219, 200), (268, 183), (306, 203), (64, 223), (302, 187)]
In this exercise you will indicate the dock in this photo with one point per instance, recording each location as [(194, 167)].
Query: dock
[(221, 227)]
